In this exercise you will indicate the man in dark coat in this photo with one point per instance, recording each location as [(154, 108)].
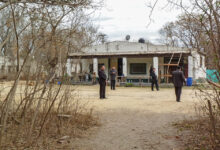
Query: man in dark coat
[(113, 74), (102, 82), (154, 80), (178, 80), (151, 70)]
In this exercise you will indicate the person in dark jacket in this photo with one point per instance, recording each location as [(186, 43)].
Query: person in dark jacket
[(178, 80), (102, 82), (113, 74), (151, 70), (154, 80)]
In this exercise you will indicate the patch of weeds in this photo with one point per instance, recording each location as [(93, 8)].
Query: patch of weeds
[(196, 134)]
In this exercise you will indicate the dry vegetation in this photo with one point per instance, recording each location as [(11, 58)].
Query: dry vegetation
[(196, 134), (36, 39), (60, 118), (69, 118), (203, 132), (199, 28)]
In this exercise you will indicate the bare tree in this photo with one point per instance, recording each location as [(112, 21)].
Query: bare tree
[(199, 28), (41, 33)]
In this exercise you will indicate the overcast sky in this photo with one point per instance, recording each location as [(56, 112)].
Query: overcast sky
[(122, 17)]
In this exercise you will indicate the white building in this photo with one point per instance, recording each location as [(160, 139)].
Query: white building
[(133, 60)]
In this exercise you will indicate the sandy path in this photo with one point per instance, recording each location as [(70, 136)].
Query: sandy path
[(136, 118)]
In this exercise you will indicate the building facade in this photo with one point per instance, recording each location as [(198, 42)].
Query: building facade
[(133, 61)]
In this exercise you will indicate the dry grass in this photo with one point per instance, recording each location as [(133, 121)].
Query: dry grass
[(69, 118), (196, 134), (55, 128), (204, 131)]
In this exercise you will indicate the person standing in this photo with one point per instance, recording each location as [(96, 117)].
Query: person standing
[(178, 80), (113, 74), (102, 82), (151, 70), (154, 80)]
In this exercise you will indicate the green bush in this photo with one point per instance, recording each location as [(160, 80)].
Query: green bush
[(128, 85)]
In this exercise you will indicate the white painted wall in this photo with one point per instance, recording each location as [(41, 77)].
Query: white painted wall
[(156, 64), (199, 71), (125, 66), (73, 66), (4, 61), (148, 61), (68, 67), (124, 46), (95, 66), (190, 66)]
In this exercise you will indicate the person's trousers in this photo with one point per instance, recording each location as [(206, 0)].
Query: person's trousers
[(102, 89), (112, 84), (152, 85), (178, 91)]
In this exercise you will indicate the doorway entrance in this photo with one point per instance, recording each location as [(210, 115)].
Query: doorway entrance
[(120, 67)]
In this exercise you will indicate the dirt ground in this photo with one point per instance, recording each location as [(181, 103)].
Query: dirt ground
[(136, 118)]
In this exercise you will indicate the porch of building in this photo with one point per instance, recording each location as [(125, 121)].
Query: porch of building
[(134, 69)]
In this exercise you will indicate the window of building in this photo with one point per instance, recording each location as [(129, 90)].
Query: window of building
[(138, 68)]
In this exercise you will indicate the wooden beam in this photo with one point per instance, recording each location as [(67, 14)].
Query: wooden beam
[(168, 64), (166, 75)]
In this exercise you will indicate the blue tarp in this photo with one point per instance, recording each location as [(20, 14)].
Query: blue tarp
[(212, 75)]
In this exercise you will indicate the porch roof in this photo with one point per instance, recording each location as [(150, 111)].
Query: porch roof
[(129, 54)]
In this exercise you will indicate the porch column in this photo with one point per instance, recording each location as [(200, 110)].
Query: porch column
[(125, 68), (95, 66), (190, 66), (155, 64), (68, 67)]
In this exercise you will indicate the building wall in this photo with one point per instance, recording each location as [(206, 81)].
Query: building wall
[(148, 61), (7, 68), (73, 66), (125, 46), (199, 68), (85, 63)]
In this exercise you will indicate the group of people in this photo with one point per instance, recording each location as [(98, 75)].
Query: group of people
[(103, 80), (177, 77)]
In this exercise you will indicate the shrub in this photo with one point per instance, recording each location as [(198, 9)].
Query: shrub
[(128, 85)]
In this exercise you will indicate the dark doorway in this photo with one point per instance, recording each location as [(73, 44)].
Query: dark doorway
[(120, 66), (91, 69)]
